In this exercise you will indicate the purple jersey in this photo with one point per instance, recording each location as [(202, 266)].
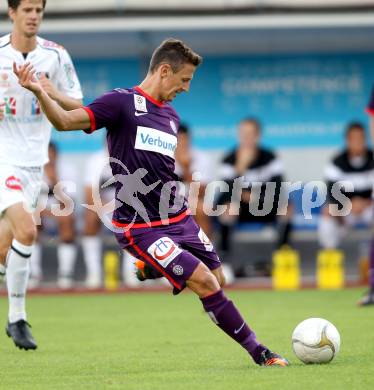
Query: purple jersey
[(141, 136), (370, 107)]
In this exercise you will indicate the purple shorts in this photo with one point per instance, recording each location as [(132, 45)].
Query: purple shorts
[(175, 250)]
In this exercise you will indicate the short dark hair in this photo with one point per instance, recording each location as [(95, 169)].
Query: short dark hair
[(253, 121), (14, 4), (52, 145), (354, 126), (175, 53), (183, 129)]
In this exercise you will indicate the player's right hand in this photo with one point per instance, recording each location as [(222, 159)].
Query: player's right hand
[(26, 77)]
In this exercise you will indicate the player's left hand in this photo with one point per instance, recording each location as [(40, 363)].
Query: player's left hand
[(48, 86), (26, 77)]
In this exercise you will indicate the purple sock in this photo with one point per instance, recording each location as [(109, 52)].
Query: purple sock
[(224, 314), (371, 266)]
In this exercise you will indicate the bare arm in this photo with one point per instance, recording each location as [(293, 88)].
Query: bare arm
[(61, 119), (65, 101)]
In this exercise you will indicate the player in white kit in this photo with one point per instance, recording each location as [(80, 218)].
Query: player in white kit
[(24, 137)]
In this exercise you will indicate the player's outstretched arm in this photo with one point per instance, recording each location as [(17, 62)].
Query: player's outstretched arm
[(61, 119), (65, 101)]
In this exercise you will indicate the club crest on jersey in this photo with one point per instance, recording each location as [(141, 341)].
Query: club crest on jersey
[(164, 250), (13, 183), (35, 107), (205, 240), (178, 270), (10, 106), (140, 103)]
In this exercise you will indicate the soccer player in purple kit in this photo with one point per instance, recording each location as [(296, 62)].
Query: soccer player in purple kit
[(368, 299), (141, 134)]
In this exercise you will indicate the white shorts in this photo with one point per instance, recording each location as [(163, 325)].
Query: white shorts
[(20, 185)]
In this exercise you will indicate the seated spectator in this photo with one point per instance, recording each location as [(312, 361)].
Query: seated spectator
[(54, 172), (353, 164), (257, 166)]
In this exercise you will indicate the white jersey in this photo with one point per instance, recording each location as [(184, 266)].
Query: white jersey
[(25, 131)]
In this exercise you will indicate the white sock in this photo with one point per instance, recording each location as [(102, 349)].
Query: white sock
[(128, 270), (92, 248), (18, 265), (36, 262), (66, 255), (329, 232)]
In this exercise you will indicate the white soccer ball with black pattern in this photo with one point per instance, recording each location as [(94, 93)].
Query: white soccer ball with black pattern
[(315, 340)]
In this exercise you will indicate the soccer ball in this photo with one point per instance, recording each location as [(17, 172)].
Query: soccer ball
[(315, 340)]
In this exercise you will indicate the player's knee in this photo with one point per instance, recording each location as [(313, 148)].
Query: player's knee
[(67, 237), (3, 252), (92, 224), (221, 280), (26, 233), (67, 234), (208, 283), (91, 231), (218, 273)]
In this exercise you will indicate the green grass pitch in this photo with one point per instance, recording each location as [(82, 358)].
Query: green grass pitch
[(154, 341)]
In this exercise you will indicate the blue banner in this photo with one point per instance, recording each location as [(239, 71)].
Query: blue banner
[(301, 100)]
